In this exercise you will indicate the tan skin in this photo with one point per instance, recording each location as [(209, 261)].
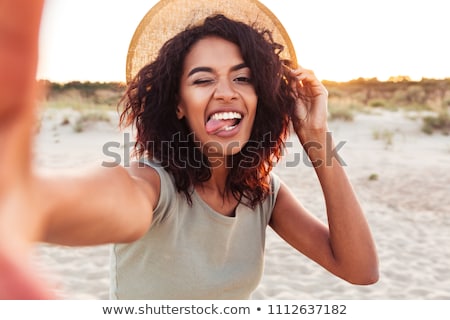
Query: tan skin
[(344, 246), (220, 84)]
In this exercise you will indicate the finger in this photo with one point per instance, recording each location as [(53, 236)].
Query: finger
[(308, 82), (305, 75)]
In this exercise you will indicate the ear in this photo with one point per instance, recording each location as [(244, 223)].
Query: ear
[(180, 112)]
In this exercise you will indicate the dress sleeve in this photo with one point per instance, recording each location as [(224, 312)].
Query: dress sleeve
[(269, 203), (167, 195)]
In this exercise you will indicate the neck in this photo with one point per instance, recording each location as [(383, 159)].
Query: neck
[(215, 193), (217, 183)]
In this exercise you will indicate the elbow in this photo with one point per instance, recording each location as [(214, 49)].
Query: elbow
[(368, 277), (366, 280), (365, 271), (373, 277)]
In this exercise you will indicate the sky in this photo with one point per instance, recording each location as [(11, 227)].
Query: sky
[(341, 40)]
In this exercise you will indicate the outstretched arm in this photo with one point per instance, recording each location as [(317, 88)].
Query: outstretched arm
[(97, 205), (19, 27), (345, 247), (84, 208)]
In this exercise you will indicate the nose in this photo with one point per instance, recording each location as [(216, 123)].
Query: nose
[(225, 90)]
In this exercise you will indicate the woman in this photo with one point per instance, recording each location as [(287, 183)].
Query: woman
[(188, 219)]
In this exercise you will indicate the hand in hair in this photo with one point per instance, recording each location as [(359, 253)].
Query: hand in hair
[(312, 106)]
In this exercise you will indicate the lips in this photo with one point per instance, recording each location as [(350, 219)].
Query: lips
[(222, 121)]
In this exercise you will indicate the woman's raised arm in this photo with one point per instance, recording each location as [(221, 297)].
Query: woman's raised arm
[(345, 247)]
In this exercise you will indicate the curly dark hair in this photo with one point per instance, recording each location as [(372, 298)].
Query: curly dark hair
[(152, 97)]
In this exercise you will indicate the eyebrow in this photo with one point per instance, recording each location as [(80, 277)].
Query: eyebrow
[(208, 69)]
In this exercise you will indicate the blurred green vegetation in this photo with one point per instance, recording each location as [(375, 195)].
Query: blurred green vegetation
[(82, 95), (430, 96), (345, 98), (439, 122), (396, 93)]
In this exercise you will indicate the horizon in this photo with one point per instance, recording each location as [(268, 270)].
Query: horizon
[(391, 79)]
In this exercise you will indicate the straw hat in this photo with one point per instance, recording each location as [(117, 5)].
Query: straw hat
[(169, 17)]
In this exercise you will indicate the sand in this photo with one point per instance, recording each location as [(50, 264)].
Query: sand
[(401, 176)]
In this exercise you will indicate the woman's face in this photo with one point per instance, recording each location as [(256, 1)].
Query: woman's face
[(217, 96)]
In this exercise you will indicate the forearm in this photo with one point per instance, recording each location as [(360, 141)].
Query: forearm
[(349, 235), (19, 28), (103, 206)]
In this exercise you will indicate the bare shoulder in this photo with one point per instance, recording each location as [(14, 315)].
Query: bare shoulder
[(147, 178)]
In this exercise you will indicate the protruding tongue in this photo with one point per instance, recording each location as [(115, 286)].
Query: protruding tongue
[(213, 126)]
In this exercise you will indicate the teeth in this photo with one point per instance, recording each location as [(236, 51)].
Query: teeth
[(229, 128), (226, 116)]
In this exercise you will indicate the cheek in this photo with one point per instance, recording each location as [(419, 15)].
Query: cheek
[(193, 105), (193, 116), (194, 101)]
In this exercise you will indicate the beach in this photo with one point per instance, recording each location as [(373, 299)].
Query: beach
[(400, 174)]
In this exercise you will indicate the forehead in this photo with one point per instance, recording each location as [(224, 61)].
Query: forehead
[(213, 52)]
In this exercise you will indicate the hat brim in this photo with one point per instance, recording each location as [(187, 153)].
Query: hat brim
[(169, 17)]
